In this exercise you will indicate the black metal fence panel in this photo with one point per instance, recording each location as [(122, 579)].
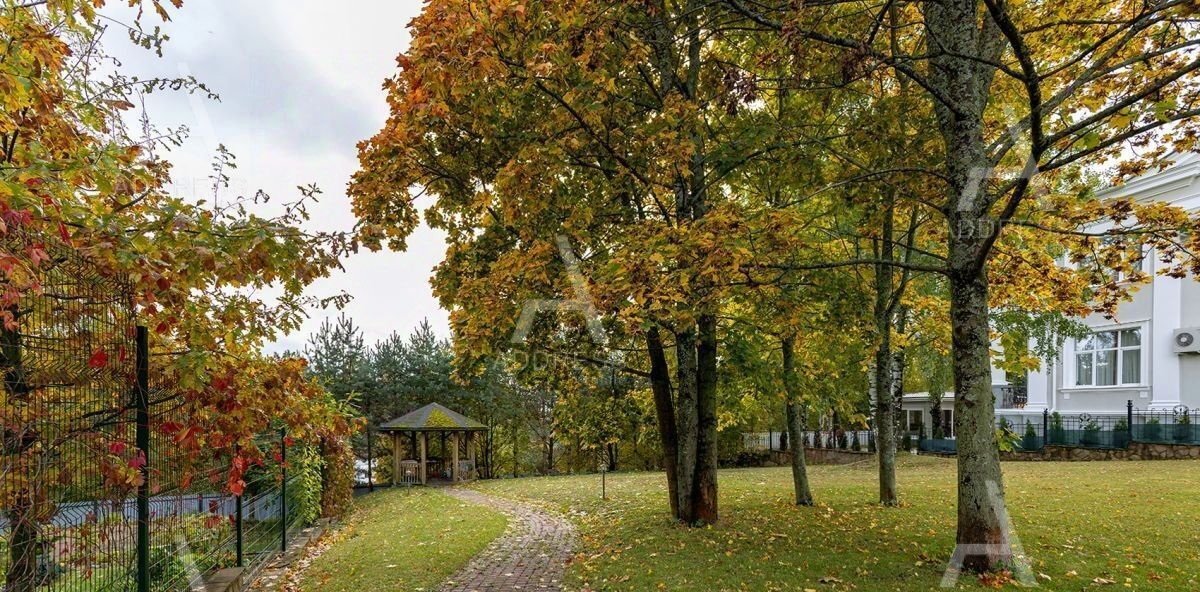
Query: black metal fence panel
[(96, 492), (1088, 431), (1175, 426), (68, 360)]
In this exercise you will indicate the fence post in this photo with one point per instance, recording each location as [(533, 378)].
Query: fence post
[(142, 404), (370, 481), (1129, 420), (237, 526), (1045, 427), (283, 508)]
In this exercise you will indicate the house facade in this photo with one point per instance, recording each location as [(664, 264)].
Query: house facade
[(1132, 357)]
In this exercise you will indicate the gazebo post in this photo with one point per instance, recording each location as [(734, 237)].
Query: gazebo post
[(395, 458), (454, 457), (471, 454), (421, 441)]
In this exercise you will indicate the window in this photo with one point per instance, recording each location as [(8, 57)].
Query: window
[(1102, 274), (914, 420), (1109, 358), (948, 422)]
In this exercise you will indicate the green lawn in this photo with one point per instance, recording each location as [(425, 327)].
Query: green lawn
[(403, 539), (1083, 525)]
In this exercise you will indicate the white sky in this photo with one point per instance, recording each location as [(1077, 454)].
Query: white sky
[(300, 85)]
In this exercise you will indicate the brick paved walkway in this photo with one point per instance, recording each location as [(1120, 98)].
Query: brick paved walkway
[(530, 555)]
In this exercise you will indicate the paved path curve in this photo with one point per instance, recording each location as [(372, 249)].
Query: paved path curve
[(530, 555)]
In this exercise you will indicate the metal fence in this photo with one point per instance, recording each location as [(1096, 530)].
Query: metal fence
[(96, 494), (1112, 431)]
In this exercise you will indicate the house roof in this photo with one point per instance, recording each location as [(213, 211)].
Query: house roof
[(1182, 171), (924, 396), (433, 417)]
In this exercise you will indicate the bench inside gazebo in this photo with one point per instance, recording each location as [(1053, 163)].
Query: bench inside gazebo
[(452, 430)]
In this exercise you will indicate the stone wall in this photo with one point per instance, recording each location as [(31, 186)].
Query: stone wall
[(822, 456), (1136, 451)]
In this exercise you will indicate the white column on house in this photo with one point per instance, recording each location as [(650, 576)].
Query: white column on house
[(1164, 364), (1040, 385)]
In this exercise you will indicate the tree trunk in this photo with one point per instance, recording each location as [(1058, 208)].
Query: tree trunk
[(21, 575), (693, 433), (885, 415), (795, 426), (706, 437), (980, 486), (688, 421), (664, 407), (899, 365), (963, 75)]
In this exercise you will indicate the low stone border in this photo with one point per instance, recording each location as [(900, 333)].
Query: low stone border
[(822, 456), (1136, 451)]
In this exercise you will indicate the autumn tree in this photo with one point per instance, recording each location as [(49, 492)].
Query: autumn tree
[(1023, 95), (74, 178), (613, 126)]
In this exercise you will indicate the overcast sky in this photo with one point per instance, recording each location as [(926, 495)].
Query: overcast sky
[(300, 85)]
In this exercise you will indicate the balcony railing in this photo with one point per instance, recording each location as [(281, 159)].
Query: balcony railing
[(1013, 397)]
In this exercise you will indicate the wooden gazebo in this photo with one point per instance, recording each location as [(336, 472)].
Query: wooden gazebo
[(455, 430)]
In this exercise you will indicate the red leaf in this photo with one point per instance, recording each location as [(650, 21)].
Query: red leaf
[(138, 461), (99, 359), (237, 487), (170, 427), (117, 448)]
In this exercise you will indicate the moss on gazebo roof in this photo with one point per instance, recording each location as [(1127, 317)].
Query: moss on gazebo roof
[(432, 418)]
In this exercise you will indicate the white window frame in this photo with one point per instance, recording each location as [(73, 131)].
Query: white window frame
[(908, 424), (948, 422), (1070, 377)]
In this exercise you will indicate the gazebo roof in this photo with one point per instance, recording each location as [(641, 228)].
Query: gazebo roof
[(433, 418)]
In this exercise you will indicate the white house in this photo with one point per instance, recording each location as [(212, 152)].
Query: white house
[(1134, 357)]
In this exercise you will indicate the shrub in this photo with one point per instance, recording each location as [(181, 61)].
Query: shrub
[(207, 536), (855, 445), (1058, 435), (1183, 428), (1030, 441), (307, 467), (1091, 434), (751, 458), (843, 441), (907, 442), (167, 571), (1121, 434), (337, 477), (1152, 430)]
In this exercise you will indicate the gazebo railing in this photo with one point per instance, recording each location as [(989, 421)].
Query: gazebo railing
[(466, 469), (410, 473)]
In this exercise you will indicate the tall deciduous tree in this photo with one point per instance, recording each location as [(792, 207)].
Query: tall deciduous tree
[(613, 125), (1021, 93)]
